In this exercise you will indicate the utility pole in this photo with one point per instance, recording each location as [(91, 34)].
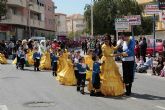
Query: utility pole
[(154, 19), (28, 28), (92, 18)]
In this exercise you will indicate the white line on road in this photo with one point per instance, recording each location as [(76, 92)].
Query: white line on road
[(160, 107), (3, 107), (133, 98)]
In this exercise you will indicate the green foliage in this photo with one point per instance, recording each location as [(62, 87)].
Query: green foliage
[(105, 12)]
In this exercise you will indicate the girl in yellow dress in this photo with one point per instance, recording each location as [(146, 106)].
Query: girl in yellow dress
[(59, 62), (67, 76), (3, 60), (89, 62), (45, 63), (29, 57), (111, 81)]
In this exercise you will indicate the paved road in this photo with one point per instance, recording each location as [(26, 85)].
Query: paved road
[(28, 90)]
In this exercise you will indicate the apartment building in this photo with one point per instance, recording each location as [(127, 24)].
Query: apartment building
[(76, 23), (60, 25), (27, 18)]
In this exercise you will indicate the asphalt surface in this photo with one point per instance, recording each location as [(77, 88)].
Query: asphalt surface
[(29, 90)]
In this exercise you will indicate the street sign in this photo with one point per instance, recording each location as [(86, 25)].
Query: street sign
[(134, 19), (122, 24), (151, 9), (161, 4)]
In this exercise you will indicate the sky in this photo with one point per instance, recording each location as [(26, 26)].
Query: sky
[(71, 6)]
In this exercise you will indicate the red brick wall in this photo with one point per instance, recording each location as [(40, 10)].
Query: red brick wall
[(49, 15)]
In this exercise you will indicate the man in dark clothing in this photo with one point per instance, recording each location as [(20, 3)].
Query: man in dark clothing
[(143, 48)]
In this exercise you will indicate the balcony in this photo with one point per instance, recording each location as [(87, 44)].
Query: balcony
[(15, 19), (21, 3), (37, 8), (37, 23)]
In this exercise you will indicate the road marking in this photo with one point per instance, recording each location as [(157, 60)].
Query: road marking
[(160, 107), (133, 98), (3, 107)]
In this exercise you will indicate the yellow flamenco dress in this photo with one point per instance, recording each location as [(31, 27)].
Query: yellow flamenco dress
[(89, 62), (68, 77), (29, 57), (45, 63), (111, 81), (59, 64), (3, 60)]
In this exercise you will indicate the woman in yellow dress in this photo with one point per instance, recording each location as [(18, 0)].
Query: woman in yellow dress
[(111, 81), (89, 62), (3, 60), (67, 76)]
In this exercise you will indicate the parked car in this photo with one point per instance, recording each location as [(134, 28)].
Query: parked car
[(158, 46)]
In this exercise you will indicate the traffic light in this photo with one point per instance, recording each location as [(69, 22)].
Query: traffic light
[(161, 4)]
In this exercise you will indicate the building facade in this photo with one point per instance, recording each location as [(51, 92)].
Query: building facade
[(60, 25), (26, 18), (76, 24)]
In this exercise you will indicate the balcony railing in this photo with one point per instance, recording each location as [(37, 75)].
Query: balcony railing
[(37, 8), (20, 20), (21, 3), (37, 23), (15, 19)]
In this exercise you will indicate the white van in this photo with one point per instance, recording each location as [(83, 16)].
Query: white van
[(38, 38)]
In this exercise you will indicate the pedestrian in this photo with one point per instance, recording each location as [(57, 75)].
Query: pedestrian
[(96, 77), (82, 68), (162, 73), (143, 48), (76, 61), (157, 69), (128, 62), (22, 58), (137, 50), (148, 64), (36, 58), (54, 60)]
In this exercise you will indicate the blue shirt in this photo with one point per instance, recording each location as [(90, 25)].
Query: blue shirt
[(36, 55), (129, 49), (82, 68), (53, 57), (96, 67)]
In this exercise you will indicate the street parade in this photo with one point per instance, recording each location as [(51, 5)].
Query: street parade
[(82, 54)]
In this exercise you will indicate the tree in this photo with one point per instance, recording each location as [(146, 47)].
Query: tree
[(105, 12), (3, 9)]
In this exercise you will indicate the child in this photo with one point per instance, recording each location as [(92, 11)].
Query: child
[(162, 73), (22, 58), (140, 64), (76, 61), (36, 58), (96, 77), (54, 60), (82, 68), (148, 64), (18, 57)]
